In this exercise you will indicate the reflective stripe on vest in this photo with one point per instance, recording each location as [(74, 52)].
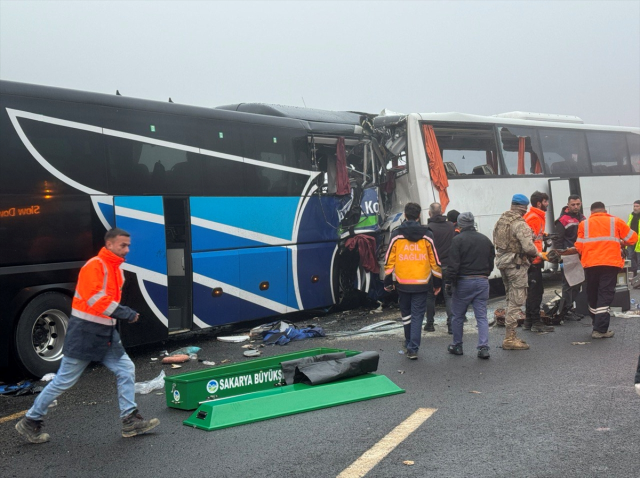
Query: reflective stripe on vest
[(612, 233), (95, 298), (92, 318)]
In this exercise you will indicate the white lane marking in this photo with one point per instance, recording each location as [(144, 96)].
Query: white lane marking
[(386, 445)]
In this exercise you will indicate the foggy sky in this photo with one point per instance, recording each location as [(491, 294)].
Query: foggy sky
[(481, 57)]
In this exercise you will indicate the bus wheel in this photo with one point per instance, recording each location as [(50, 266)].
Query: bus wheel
[(41, 331)]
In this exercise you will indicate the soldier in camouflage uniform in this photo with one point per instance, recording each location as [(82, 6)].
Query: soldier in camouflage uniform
[(513, 240)]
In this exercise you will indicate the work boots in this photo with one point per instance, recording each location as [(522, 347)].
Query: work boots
[(602, 335), (526, 325), (133, 424), (540, 327), (32, 430), (511, 342), (428, 327)]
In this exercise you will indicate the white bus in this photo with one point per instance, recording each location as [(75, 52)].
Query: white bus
[(487, 159)]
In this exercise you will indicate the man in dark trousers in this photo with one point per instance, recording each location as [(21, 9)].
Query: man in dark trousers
[(466, 278), (634, 252), (536, 220), (566, 232), (599, 240), (443, 232), (92, 336), (412, 259)]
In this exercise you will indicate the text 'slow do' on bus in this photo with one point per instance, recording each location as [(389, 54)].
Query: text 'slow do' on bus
[(236, 213)]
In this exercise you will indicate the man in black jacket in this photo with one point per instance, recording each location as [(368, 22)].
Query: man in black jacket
[(467, 279), (443, 232), (566, 230)]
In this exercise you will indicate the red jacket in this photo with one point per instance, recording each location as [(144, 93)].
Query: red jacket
[(535, 219), (99, 288), (600, 238)]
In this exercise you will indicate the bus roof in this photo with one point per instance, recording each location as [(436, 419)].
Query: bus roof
[(117, 101), (468, 118)]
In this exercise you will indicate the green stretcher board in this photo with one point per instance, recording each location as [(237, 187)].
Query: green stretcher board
[(187, 390), (288, 400)]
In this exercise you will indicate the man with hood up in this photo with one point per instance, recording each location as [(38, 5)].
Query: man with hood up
[(413, 259), (443, 232)]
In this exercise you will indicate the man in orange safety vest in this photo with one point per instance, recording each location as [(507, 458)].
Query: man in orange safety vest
[(599, 243)]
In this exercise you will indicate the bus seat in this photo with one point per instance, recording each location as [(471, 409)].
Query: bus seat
[(483, 170), (450, 169)]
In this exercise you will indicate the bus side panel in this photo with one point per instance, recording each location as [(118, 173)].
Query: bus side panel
[(234, 223), (143, 218), (313, 269), (215, 279)]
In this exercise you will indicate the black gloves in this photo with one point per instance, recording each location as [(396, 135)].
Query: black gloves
[(123, 312)]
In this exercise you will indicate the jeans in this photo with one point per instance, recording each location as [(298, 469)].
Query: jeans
[(431, 306), (412, 308), (69, 373), (474, 291)]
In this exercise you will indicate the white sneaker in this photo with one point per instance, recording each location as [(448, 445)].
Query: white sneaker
[(638, 388)]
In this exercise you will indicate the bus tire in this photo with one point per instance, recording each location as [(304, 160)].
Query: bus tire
[(40, 333)]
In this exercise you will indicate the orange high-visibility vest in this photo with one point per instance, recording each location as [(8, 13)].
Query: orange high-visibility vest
[(99, 288), (600, 238)]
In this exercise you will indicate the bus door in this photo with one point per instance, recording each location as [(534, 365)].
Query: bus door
[(153, 273), (559, 192)]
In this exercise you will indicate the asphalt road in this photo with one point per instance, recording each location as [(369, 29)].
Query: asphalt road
[(555, 410)]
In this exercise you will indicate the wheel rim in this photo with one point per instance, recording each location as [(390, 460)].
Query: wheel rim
[(48, 333)]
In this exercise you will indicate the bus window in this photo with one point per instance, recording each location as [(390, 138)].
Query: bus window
[(76, 153), (521, 150), (608, 153), (634, 150), (468, 150), (144, 168), (273, 146), (565, 152)]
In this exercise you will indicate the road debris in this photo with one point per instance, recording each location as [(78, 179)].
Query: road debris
[(48, 377), (252, 353), (150, 385), (186, 351), (409, 462), (176, 359), (580, 343), (225, 361), (175, 365), (400, 372), (233, 338), (474, 391), (208, 362)]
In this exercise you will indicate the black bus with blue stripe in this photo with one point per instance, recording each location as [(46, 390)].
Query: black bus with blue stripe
[(231, 211)]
